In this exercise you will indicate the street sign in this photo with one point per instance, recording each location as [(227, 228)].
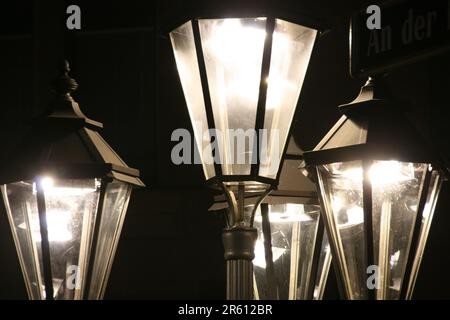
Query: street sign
[(409, 31)]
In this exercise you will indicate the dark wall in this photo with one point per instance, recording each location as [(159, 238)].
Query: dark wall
[(122, 59)]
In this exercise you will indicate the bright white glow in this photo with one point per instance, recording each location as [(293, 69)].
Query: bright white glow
[(58, 220), (48, 185), (57, 225), (237, 47), (291, 212), (395, 258), (389, 172), (354, 215), (233, 43), (383, 173), (260, 254)]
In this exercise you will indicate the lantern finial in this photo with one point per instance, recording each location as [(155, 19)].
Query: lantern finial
[(63, 105), (64, 85)]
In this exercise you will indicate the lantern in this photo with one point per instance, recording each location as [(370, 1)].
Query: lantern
[(66, 194), (379, 182), (241, 78)]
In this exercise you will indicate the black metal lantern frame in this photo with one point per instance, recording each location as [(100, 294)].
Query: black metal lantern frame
[(64, 144), (369, 223)]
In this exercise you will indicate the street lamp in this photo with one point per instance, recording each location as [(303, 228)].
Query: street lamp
[(66, 194), (379, 182), (241, 78), (292, 254)]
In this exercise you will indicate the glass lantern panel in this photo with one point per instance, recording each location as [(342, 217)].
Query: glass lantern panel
[(427, 217), (70, 209), (233, 50), (341, 192), (115, 205), (21, 205), (323, 268), (292, 45), (183, 46), (293, 231), (396, 189)]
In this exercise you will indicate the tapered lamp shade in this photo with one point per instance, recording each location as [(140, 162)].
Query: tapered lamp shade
[(292, 254), (402, 194), (68, 208), (241, 78), (379, 182), (66, 194)]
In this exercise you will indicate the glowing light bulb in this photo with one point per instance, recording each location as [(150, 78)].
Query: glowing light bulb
[(236, 50), (57, 226), (233, 42), (388, 172), (49, 188), (47, 183), (383, 173)]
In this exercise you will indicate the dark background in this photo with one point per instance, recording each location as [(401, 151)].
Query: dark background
[(170, 246)]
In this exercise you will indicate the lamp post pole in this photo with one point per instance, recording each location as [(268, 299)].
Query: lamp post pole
[(232, 71), (239, 245)]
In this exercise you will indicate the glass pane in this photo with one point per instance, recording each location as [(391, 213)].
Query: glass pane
[(186, 59), (115, 205), (70, 208), (396, 188), (291, 50), (233, 50), (427, 217), (293, 230), (323, 268), (20, 203), (341, 192)]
